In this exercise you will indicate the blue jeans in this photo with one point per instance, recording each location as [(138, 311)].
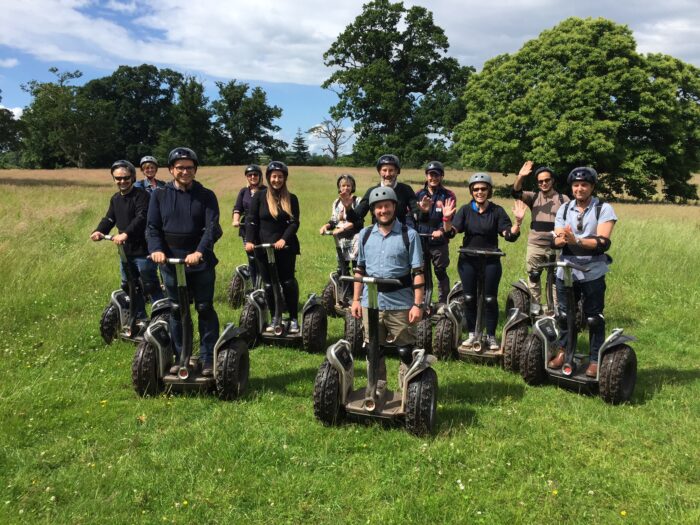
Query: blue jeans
[(145, 271), (200, 287), (468, 268), (593, 304)]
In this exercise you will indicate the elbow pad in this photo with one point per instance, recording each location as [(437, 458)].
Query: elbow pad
[(360, 270), (602, 244), (416, 271)]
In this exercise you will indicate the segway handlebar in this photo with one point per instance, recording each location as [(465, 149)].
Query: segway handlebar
[(564, 264), (266, 245), (483, 252), (107, 237), (371, 280)]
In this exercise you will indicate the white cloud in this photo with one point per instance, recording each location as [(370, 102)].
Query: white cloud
[(17, 112), (8, 62), (121, 7)]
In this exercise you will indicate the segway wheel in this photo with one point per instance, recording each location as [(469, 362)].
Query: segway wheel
[(314, 329), (144, 370), (513, 345), (618, 375), (328, 300), (109, 324), (327, 407), (421, 404), (355, 335), (443, 346), (236, 290), (424, 335), (532, 361), (249, 324), (518, 299), (232, 370)]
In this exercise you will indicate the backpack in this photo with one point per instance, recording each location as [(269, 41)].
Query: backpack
[(598, 207)]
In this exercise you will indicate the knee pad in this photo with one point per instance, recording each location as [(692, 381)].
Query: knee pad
[(440, 273), (204, 308), (562, 321), (125, 287), (534, 276), (406, 354), (490, 299), (595, 321), (468, 299), (175, 308), (149, 288)]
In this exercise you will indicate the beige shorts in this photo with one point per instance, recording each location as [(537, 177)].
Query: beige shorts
[(393, 327)]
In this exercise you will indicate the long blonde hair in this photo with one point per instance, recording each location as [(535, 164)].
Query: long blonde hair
[(279, 198)]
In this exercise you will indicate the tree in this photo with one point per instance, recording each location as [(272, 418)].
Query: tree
[(300, 150), (390, 68), (580, 94), (9, 130), (334, 132), (244, 124)]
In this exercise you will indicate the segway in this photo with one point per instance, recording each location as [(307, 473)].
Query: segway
[(150, 368), (118, 320), (255, 316), (450, 324), (415, 405), (514, 329), (617, 370), (241, 284)]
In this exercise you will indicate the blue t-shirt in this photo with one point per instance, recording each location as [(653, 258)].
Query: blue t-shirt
[(386, 256), (597, 264)]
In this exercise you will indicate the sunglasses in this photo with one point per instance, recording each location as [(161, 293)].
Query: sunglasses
[(480, 190), (579, 220), (544, 181), (122, 179)]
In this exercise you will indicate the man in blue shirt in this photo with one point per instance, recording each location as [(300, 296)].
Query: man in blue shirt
[(183, 222), (385, 253), (582, 229)]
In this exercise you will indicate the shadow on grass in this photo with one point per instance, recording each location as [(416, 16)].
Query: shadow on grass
[(281, 382), (652, 381), (50, 182)]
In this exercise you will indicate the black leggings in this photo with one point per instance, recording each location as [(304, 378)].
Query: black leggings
[(286, 262), (469, 273)]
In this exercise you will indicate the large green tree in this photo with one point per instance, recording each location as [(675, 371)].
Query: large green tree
[(580, 94), (396, 83), (9, 130), (244, 121)]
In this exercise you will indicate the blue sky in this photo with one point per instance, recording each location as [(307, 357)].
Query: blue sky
[(279, 45)]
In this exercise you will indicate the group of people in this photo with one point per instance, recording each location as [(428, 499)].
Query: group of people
[(181, 219)]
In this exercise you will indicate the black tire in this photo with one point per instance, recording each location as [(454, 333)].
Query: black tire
[(532, 361), (421, 403), (328, 300), (355, 335), (518, 299), (109, 324), (236, 290), (618, 375), (144, 370), (249, 324), (232, 370), (424, 335), (314, 329), (327, 407), (443, 346), (513, 346)]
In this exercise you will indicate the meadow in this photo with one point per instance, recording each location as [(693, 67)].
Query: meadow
[(78, 446)]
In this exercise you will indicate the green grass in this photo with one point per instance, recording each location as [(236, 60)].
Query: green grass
[(78, 446)]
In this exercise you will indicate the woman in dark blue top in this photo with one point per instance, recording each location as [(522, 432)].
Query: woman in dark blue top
[(482, 222), (253, 175)]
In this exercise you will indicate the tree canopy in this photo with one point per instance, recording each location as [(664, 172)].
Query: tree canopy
[(580, 94)]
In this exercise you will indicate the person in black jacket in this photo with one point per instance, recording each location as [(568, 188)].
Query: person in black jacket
[(183, 222), (388, 167), (253, 175), (482, 222), (273, 217), (127, 211)]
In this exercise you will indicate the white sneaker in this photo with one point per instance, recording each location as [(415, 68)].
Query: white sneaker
[(469, 341), (293, 326), (492, 342)]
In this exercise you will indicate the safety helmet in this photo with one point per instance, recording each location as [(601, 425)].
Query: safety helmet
[(126, 165), (253, 168), (349, 178), (435, 166), (146, 159), (182, 154), (276, 165), (481, 177), (584, 174), (382, 193), (389, 159), (542, 169)]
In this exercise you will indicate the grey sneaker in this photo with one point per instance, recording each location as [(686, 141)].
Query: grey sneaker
[(535, 309), (293, 326), (271, 327), (492, 342), (469, 341)]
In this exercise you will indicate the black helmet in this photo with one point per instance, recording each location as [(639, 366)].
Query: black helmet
[(182, 153), (382, 193), (276, 165), (389, 159), (435, 166), (349, 178), (542, 169), (126, 165), (146, 159), (584, 174), (253, 168)]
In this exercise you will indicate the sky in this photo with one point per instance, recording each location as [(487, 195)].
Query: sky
[(279, 45)]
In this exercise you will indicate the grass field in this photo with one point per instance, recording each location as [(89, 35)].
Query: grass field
[(78, 446)]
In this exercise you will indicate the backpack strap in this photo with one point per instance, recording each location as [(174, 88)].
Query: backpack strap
[(404, 235)]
